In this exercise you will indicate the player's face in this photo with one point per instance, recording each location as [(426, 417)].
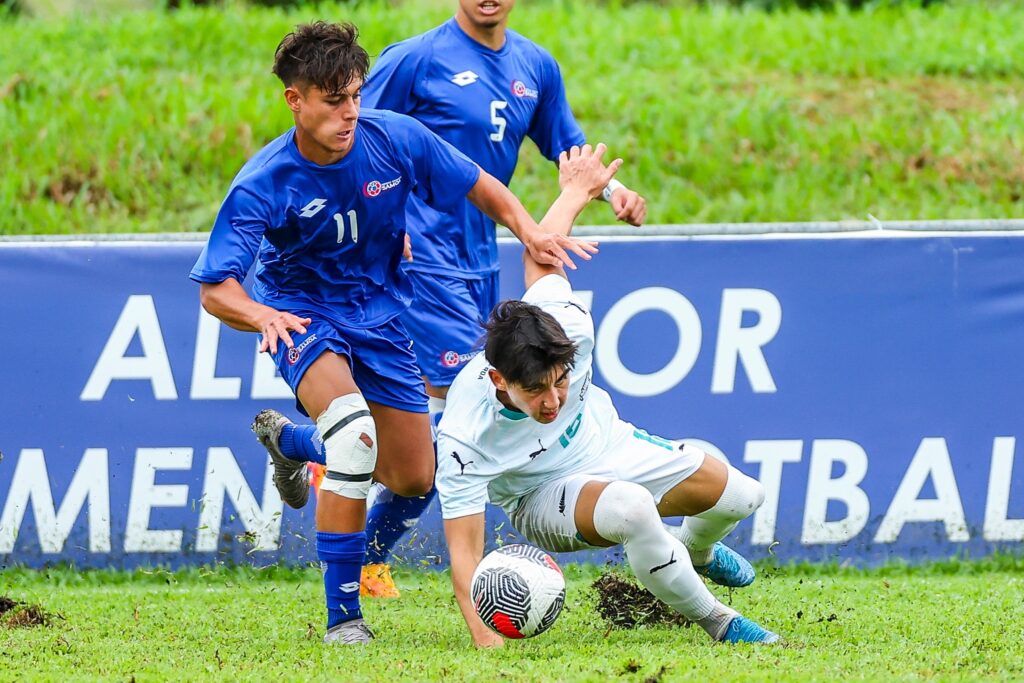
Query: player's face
[(325, 123), (544, 401), (486, 13)]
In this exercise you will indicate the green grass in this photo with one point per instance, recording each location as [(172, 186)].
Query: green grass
[(959, 622), (139, 120)]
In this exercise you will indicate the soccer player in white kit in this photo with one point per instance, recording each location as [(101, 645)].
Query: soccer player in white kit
[(525, 429)]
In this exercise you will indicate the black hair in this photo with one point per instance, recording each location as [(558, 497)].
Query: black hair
[(321, 54), (525, 344)]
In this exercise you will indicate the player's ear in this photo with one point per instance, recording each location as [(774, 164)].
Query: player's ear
[(497, 380), (292, 97)]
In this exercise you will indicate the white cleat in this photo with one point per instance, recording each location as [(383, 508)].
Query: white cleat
[(353, 632)]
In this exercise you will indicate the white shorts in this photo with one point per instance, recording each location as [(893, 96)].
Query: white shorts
[(546, 516)]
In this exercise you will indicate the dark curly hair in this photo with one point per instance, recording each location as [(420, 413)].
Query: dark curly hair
[(321, 54), (525, 344)]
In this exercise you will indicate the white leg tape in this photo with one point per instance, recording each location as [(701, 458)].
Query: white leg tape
[(344, 427)]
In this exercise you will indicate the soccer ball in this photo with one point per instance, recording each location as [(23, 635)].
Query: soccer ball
[(518, 591)]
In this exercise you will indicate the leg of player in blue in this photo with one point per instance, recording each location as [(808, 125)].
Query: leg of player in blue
[(341, 556), (389, 516), (290, 447)]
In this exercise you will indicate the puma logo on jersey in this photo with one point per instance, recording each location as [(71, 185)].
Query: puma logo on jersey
[(577, 306), (464, 78), (462, 465), (539, 451), (313, 208), (671, 560)]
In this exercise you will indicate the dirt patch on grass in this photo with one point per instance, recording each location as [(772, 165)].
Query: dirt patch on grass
[(17, 614), (623, 603)]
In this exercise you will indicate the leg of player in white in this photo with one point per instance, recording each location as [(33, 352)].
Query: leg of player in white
[(640, 480), (608, 513)]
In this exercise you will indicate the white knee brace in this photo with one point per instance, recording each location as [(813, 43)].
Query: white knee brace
[(346, 427)]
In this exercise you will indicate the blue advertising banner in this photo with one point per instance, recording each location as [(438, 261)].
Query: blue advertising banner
[(874, 385)]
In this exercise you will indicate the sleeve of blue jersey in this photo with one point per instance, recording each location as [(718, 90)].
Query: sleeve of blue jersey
[(554, 127), (391, 84), (443, 175), (235, 238)]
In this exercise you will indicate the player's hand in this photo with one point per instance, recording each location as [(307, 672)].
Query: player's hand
[(487, 639), (552, 250), (275, 326), (407, 249), (581, 168), (629, 206)]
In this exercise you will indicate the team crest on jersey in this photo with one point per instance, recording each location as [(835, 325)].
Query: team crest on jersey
[(451, 359), (296, 351), (375, 187), (520, 89)]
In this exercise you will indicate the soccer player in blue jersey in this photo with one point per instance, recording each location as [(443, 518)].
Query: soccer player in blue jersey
[(484, 88), (322, 212)]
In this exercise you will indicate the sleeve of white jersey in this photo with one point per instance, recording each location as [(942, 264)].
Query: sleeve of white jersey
[(553, 294), (461, 489)]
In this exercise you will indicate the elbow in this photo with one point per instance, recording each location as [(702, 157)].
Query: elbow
[(208, 298)]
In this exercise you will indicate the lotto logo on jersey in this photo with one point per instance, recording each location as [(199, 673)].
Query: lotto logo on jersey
[(375, 187), (520, 89), (296, 351)]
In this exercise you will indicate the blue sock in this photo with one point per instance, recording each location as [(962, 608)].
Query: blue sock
[(302, 443), (385, 522), (341, 557)]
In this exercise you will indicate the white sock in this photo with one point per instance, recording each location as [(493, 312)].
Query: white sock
[(699, 533), (626, 513)]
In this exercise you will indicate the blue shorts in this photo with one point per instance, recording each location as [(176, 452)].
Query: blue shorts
[(446, 321), (382, 362)]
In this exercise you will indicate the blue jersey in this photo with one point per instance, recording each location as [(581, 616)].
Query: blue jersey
[(328, 240), (484, 102)]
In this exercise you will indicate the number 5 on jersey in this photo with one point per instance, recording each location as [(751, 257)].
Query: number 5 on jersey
[(352, 221), (499, 121)]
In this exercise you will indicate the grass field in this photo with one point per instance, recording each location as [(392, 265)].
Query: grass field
[(960, 622), (138, 121)]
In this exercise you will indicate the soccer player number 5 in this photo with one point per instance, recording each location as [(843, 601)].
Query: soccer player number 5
[(500, 122), (340, 221)]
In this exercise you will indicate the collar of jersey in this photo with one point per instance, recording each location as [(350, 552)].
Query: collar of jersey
[(500, 407), (293, 149), (479, 47)]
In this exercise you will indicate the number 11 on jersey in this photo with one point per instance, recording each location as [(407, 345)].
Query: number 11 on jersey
[(340, 222)]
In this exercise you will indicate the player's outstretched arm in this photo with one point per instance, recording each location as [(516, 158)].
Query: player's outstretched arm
[(582, 175), (498, 202), (465, 536), (229, 302), (627, 204)]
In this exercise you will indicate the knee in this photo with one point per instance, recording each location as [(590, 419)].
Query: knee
[(745, 494), (624, 510), (410, 487), (350, 446)]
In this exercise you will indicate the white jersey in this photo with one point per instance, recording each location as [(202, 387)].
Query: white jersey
[(489, 453)]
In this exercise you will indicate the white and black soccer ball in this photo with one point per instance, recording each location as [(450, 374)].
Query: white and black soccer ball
[(518, 591)]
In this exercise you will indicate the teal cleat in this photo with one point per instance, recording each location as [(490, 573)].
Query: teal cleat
[(727, 568), (743, 630)]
